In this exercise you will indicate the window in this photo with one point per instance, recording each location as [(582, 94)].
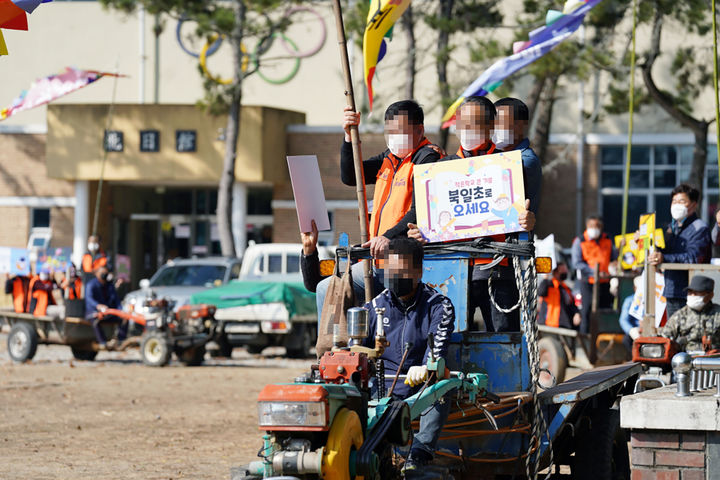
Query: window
[(293, 263), (275, 263), (235, 272), (40, 218), (654, 171)]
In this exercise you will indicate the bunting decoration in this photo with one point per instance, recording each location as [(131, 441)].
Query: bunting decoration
[(13, 16), (47, 89), (558, 27)]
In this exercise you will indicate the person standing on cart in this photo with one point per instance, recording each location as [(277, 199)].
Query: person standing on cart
[(100, 295), (476, 119), (557, 307), (93, 259), (593, 248)]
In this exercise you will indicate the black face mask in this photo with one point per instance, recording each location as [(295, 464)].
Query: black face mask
[(563, 277), (104, 276), (399, 286)]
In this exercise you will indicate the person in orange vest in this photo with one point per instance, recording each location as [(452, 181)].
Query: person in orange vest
[(18, 286), (557, 303), (392, 174), (41, 288), (593, 248), (475, 121), (93, 259), (72, 284)]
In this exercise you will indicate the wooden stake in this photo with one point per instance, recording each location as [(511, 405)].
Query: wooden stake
[(357, 153)]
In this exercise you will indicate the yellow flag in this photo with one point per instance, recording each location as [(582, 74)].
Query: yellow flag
[(382, 16), (3, 47)]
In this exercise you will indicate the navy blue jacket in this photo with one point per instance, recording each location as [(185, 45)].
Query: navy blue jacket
[(431, 312), (98, 294), (686, 243)]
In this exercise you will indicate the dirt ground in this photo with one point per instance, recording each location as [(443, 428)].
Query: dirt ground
[(117, 419)]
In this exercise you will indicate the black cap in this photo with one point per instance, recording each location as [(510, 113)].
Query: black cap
[(701, 283)]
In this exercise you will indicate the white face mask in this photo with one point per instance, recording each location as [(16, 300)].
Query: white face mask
[(93, 247), (503, 138), (44, 277), (678, 211), (399, 144), (470, 139), (593, 233), (696, 302)]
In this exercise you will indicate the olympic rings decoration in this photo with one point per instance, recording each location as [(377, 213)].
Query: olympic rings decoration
[(213, 48), (203, 61), (213, 44), (289, 76)]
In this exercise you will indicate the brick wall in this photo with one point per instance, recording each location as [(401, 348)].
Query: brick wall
[(669, 455)]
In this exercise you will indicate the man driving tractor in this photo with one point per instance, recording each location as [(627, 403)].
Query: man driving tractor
[(696, 326), (413, 312), (100, 295)]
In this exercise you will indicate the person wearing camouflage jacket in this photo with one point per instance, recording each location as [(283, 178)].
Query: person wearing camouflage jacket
[(699, 319)]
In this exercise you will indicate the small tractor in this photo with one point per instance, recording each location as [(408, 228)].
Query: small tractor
[(329, 424)]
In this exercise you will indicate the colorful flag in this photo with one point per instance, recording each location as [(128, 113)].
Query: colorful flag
[(47, 89), (381, 17), (13, 16), (559, 26)]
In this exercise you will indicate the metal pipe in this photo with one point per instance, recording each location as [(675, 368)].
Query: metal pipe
[(717, 382), (706, 363), (141, 41), (682, 365), (693, 380)]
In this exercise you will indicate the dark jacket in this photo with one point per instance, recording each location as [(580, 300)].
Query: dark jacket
[(310, 268), (430, 312), (568, 309), (371, 167), (96, 294), (686, 243)]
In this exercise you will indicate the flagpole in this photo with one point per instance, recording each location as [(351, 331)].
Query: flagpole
[(355, 140)]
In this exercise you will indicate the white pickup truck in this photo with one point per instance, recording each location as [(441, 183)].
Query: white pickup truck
[(268, 304)]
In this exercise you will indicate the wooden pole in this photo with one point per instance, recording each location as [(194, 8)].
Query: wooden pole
[(357, 153), (594, 315)]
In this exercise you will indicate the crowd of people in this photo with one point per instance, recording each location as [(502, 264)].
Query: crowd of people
[(47, 293)]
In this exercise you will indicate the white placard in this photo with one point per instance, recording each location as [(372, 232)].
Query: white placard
[(308, 191)]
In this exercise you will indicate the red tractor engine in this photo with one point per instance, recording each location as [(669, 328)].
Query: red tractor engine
[(345, 367)]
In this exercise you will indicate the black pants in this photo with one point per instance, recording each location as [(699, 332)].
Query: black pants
[(673, 305), (506, 295), (121, 331), (605, 300)]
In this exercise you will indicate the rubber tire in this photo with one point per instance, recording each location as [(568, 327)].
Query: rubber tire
[(602, 451), (554, 355), (308, 339), (162, 357), (83, 354), (29, 348), (224, 349), (241, 473), (254, 349), (193, 357)]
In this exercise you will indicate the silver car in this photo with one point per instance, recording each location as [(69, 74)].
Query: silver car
[(178, 279)]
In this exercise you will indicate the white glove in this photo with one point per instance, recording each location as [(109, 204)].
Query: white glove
[(416, 375), (634, 332), (614, 286)]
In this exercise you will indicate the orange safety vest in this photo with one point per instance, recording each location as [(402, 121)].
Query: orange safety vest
[(597, 253), (75, 290), (90, 262), (40, 299), (553, 303), (393, 191), (20, 286)]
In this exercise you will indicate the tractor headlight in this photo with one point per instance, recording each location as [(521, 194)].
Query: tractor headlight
[(292, 414), (652, 350)]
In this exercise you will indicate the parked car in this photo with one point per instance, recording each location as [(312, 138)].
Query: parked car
[(178, 279), (268, 305)]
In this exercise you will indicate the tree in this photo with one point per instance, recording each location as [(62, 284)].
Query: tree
[(237, 21)]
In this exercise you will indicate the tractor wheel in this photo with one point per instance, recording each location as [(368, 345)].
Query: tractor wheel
[(552, 357), (307, 340), (345, 436), (22, 342), (192, 357), (602, 450), (154, 350), (83, 354)]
